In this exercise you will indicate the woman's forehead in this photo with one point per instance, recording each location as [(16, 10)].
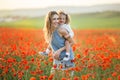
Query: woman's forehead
[(55, 16)]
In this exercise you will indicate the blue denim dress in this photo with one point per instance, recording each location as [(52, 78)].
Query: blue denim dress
[(58, 42)]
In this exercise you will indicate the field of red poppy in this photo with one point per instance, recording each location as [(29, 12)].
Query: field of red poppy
[(97, 55)]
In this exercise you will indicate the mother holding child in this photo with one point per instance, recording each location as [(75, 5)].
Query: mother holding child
[(59, 37)]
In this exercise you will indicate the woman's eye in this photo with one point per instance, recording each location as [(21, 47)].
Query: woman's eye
[(55, 18)]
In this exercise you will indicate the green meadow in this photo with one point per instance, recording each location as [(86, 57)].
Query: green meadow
[(99, 20)]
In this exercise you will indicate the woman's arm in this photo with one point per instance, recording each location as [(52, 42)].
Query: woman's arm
[(57, 53)]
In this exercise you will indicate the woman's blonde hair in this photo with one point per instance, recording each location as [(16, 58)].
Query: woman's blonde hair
[(48, 29), (67, 16)]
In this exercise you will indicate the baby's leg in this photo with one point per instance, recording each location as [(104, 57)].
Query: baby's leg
[(67, 45), (46, 52), (48, 49)]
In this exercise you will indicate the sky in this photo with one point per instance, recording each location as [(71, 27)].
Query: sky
[(24, 4)]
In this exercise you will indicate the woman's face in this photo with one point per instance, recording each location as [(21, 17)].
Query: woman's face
[(54, 20), (62, 19)]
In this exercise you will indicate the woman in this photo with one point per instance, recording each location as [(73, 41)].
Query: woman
[(55, 36), (64, 21)]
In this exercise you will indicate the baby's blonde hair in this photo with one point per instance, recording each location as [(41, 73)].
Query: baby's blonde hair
[(67, 16)]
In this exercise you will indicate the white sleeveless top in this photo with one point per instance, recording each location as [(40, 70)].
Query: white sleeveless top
[(68, 28)]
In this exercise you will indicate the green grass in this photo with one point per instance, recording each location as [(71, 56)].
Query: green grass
[(26, 23), (96, 20), (81, 21)]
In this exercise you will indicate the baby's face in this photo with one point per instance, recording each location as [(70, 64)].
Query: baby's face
[(62, 19)]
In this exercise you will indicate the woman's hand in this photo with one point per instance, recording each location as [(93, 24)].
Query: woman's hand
[(56, 54)]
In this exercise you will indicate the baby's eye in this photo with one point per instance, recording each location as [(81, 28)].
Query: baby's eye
[(55, 18)]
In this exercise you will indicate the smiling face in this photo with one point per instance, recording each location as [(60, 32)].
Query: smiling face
[(55, 20), (62, 19)]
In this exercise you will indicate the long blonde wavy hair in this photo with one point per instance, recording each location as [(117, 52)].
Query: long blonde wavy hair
[(48, 28)]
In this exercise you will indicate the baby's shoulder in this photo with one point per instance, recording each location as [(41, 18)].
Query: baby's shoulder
[(61, 30), (66, 25)]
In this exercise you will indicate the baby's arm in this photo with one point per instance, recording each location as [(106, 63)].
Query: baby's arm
[(67, 45)]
